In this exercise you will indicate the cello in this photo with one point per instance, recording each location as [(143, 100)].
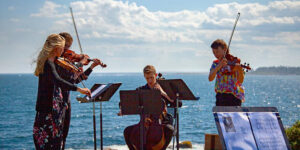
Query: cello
[(157, 130)]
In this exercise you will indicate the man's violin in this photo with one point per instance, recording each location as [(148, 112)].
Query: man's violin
[(232, 61), (65, 63), (73, 57)]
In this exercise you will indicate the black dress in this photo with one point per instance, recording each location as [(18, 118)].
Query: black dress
[(50, 109)]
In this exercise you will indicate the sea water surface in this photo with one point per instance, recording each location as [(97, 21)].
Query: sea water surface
[(18, 97)]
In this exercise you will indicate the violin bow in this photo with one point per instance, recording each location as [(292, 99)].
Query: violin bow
[(76, 30), (236, 20), (77, 40), (77, 35), (94, 118)]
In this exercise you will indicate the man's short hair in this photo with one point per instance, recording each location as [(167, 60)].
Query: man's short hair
[(149, 69), (66, 35), (219, 43)]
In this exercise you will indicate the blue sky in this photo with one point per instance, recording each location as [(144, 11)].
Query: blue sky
[(173, 35)]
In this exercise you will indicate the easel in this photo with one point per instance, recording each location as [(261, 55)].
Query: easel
[(141, 102), (100, 93), (177, 90)]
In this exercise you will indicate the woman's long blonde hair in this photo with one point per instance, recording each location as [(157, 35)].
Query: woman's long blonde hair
[(52, 41)]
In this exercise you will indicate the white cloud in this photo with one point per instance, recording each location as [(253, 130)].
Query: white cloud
[(254, 13), (133, 22), (282, 20), (281, 5), (124, 26), (268, 54), (281, 37), (124, 20), (49, 10)]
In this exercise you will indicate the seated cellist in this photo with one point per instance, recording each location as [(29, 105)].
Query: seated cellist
[(158, 132)]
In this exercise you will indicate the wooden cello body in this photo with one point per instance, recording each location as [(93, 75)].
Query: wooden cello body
[(157, 132)]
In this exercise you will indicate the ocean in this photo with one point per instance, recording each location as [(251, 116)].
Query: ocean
[(18, 97)]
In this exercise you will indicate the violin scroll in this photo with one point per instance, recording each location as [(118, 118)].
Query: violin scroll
[(98, 62), (160, 76), (246, 67)]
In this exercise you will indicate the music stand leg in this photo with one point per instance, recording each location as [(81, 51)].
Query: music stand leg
[(174, 136), (101, 129), (94, 123), (142, 132), (177, 121)]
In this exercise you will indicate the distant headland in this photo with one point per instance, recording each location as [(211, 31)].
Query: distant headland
[(281, 70)]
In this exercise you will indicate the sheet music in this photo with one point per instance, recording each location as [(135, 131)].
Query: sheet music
[(236, 131), (95, 92), (267, 131)]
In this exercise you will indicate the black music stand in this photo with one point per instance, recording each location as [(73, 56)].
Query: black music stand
[(100, 93), (177, 90), (141, 102)]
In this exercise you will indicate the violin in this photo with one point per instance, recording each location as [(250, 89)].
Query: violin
[(65, 63), (73, 57), (232, 61)]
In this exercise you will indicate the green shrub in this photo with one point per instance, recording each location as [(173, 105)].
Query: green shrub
[(293, 135)]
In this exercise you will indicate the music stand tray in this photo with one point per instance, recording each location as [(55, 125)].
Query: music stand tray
[(132, 100), (173, 86), (100, 92)]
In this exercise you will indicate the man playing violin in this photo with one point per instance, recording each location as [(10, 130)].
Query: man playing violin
[(229, 76), (72, 77)]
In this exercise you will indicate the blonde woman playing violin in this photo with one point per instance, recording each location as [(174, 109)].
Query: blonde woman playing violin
[(50, 107)]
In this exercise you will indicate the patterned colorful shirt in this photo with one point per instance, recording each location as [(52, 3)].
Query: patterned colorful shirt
[(228, 83)]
